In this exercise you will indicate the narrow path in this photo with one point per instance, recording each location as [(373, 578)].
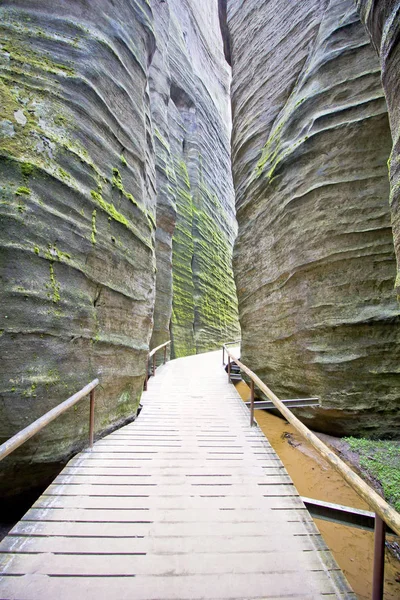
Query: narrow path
[(187, 502)]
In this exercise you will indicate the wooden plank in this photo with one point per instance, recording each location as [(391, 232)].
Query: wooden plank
[(305, 585), (171, 480), (163, 545), (131, 515), (194, 528), (205, 502), (154, 490), (285, 563)]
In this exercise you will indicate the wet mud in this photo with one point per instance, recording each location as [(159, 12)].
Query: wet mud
[(315, 478)]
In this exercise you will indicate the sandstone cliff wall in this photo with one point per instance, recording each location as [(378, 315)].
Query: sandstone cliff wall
[(314, 260), (194, 177), (78, 218), (382, 20)]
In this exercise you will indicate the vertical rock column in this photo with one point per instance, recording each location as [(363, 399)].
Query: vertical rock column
[(382, 20), (194, 174), (314, 260), (78, 216), (159, 84)]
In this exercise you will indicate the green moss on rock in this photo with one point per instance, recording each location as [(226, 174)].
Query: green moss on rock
[(21, 191)]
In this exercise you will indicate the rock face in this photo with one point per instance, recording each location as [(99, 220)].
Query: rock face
[(78, 219), (382, 20), (190, 95), (314, 260), (88, 164)]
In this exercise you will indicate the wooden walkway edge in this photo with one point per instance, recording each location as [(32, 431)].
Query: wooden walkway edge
[(186, 502)]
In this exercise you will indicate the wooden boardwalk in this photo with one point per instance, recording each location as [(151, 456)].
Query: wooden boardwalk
[(187, 502)]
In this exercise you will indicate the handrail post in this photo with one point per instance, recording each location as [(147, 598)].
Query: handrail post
[(378, 580), (229, 368), (165, 354), (252, 403), (223, 355), (154, 364), (91, 419), (146, 379)]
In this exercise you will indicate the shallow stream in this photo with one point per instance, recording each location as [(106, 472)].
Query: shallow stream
[(315, 478)]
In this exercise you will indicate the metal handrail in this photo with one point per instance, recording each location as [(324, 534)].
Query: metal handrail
[(152, 354), (25, 434), (228, 344), (384, 513)]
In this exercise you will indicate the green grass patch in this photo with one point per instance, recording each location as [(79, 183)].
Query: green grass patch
[(382, 461)]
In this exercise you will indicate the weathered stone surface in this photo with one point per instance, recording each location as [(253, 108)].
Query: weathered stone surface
[(190, 93), (159, 86), (382, 20), (78, 219), (314, 261)]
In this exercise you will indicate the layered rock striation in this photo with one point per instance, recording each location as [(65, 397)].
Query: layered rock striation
[(382, 20), (314, 260), (78, 219), (94, 153), (190, 87)]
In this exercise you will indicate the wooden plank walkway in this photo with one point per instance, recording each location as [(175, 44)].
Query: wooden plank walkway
[(187, 502)]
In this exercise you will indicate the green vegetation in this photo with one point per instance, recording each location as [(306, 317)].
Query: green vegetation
[(21, 207), (27, 169), (112, 212), (60, 120), (28, 58), (123, 160), (53, 286), (182, 255), (23, 190), (161, 139), (117, 183), (109, 208), (30, 392), (94, 230), (204, 307), (381, 459)]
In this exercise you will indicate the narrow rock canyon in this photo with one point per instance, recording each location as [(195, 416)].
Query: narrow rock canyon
[(144, 146)]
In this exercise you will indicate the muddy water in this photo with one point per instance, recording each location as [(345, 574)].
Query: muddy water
[(313, 477)]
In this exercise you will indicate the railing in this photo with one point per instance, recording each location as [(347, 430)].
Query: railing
[(152, 355), (384, 513), (228, 344), (25, 434)]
